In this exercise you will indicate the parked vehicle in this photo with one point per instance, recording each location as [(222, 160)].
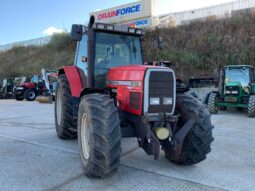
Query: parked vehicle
[(109, 94), (30, 90), (236, 89), (6, 91), (49, 78)]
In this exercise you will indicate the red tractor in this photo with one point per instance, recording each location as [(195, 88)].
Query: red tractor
[(29, 90), (109, 94)]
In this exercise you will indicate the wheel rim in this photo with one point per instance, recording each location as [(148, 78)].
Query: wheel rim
[(31, 95), (59, 107), (85, 136)]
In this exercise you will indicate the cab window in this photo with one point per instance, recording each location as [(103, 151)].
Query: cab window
[(81, 56)]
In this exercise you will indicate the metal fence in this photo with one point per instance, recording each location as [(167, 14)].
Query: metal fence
[(216, 11), (35, 42)]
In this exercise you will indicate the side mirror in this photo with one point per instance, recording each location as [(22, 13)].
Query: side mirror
[(76, 32)]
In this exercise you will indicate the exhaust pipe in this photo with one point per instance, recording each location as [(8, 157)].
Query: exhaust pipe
[(91, 53)]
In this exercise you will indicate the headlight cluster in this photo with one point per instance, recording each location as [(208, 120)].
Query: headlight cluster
[(231, 92), (166, 101), (105, 26), (234, 92), (154, 101)]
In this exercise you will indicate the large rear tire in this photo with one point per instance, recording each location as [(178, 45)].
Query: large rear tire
[(197, 143), (251, 106), (212, 101), (99, 135), (64, 119)]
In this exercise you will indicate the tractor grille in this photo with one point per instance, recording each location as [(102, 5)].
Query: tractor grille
[(161, 85), (232, 90)]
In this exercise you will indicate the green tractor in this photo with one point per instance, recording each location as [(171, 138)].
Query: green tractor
[(236, 89), (6, 91)]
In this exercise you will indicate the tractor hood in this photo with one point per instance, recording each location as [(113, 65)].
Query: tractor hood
[(28, 85), (144, 89), (233, 84), (130, 73)]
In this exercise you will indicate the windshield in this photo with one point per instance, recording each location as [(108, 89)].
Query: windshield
[(115, 50), (237, 75)]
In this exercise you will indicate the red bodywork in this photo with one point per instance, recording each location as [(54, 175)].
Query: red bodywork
[(74, 79), (28, 85), (127, 80)]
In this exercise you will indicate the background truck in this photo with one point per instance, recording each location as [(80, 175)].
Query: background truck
[(109, 94), (236, 89)]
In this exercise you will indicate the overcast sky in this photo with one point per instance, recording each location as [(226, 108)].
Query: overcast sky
[(27, 19)]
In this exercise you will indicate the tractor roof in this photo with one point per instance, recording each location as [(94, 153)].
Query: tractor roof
[(238, 66)]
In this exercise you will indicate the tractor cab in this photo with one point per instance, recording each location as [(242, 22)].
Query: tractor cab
[(109, 46)]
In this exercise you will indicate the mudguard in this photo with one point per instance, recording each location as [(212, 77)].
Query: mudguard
[(74, 79)]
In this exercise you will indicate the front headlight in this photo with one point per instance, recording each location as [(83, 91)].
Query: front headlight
[(167, 101), (246, 90), (234, 92), (19, 88), (154, 101)]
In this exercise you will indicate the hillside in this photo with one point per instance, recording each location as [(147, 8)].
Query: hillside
[(199, 48), (202, 48), (26, 61)]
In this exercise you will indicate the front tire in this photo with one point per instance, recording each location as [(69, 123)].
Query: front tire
[(251, 106), (64, 119), (99, 135), (212, 101), (18, 97), (197, 143), (30, 94)]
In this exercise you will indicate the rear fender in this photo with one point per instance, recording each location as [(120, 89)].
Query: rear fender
[(73, 78), (75, 84)]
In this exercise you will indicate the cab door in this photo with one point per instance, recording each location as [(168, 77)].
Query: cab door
[(81, 59)]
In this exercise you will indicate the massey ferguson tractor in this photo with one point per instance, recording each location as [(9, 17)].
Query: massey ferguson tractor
[(109, 94), (236, 90)]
